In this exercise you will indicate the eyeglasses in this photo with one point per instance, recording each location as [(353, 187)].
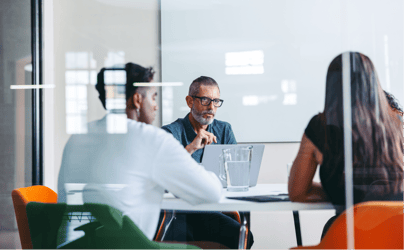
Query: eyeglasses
[(205, 101)]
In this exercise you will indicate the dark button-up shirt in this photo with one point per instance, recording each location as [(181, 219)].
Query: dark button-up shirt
[(183, 131)]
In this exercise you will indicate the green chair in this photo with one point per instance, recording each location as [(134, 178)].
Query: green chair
[(110, 230)]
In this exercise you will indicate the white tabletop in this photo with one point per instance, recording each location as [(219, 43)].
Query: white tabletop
[(171, 203)]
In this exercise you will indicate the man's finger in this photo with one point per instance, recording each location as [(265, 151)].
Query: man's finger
[(212, 138), (204, 140), (209, 133)]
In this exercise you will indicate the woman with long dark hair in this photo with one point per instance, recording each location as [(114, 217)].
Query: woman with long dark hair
[(377, 141)]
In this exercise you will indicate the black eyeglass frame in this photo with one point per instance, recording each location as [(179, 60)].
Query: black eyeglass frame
[(210, 100)]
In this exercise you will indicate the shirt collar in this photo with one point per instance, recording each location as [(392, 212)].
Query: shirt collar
[(188, 125)]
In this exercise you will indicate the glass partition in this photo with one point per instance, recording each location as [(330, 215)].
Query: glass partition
[(286, 78), (274, 59), (275, 63), (16, 112)]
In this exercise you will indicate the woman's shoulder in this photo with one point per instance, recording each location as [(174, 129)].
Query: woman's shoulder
[(317, 120), (315, 125), (315, 131)]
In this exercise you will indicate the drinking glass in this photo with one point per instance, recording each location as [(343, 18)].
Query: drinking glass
[(235, 165)]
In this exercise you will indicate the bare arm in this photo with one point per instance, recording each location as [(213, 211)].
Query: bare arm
[(301, 186)]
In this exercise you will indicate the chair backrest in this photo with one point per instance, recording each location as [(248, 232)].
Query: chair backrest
[(378, 225), (120, 232), (44, 220), (21, 197), (136, 239), (115, 230)]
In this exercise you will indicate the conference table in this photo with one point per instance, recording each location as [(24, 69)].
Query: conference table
[(170, 202)]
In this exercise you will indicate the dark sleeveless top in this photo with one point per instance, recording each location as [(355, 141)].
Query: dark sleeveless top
[(332, 170)]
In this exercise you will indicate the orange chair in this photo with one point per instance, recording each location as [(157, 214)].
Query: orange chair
[(378, 225), (233, 214), (21, 197)]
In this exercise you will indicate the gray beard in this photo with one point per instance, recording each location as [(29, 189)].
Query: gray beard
[(199, 117)]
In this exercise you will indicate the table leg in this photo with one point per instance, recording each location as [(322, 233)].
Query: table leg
[(297, 228), (244, 228)]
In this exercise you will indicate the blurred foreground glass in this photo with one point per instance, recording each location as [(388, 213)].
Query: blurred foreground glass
[(288, 168), (16, 112), (235, 165)]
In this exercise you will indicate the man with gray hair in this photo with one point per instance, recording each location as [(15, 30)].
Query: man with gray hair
[(196, 130), (199, 128)]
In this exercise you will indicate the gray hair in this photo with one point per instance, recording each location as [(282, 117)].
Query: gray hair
[(201, 81)]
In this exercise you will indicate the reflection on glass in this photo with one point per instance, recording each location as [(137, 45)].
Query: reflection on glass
[(114, 58), (76, 109), (250, 100), (93, 62), (76, 60), (76, 78), (245, 62), (76, 124), (253, 100), (28, 67), (115, 77), (93, 77), (116, 124), (115, 80), (115, 98), (168, 104), (289, 89)]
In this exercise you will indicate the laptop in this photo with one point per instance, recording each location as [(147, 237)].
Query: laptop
[(210, 159)]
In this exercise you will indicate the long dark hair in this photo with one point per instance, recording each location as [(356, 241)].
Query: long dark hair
[(377, 140)]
